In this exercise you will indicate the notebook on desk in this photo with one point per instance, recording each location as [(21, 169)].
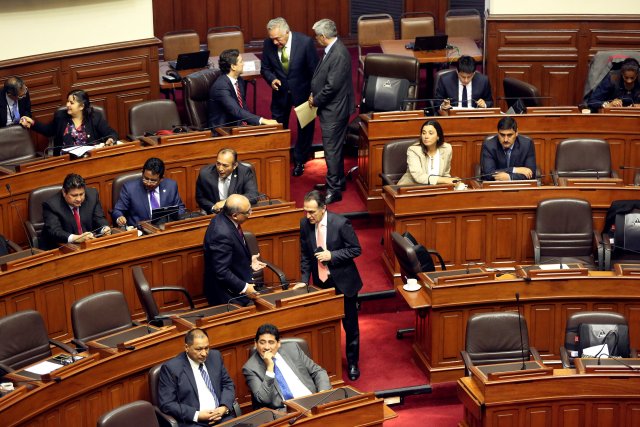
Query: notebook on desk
[(438, 42), (191, 60)]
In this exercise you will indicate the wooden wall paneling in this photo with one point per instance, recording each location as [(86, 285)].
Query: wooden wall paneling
[(299, 18), (195, 271), (288, 255), (442, 237), (170, 270), (23, 301), (557, 80), (50, 299), (256, 15), (437, 7), (632, 414), (528, 223), (540, 415), (223, 12), (328, 350), (504, 232), (452, 336), (541, 325), (505, 418), (163, 16), (72, 413), (571, 415), (191, 14), (472, 247), (631, 312), (93, 407)]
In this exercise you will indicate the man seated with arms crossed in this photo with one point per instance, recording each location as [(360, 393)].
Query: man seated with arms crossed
[(618, 90), (194, 387), (139, 197), (73, 215), (226, 177), (227, 97), (276, 372), (508, 156), (465, 89)]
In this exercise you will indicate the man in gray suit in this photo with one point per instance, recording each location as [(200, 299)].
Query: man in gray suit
[(277, 372), (332, 92)]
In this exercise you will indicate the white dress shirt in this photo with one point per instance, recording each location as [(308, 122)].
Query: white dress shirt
[(207, 401)]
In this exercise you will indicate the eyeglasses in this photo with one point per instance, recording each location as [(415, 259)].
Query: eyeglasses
[(150, 181)]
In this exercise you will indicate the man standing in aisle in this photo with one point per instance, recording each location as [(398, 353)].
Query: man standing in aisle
[(332, 92), (288, 62)]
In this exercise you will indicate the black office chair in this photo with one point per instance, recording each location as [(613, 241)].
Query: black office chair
[(583, 158), (135, 414), (621, 224), (394, 160), (35, 221), (519, 95)]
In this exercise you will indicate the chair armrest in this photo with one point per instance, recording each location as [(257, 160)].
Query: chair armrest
[(600, 248), (467, 363), (276, 270), (63, 346), (165, 420), (435, 253), (13, 245), (31, 233), (175, 289), (614, 174), (535, 354), (554, 175), (564, 357), (80, 345), (385, 179), (536, 246), (6, 369), (6, 171)]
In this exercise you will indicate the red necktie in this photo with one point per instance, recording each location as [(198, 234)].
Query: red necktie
[(239, 98), (76, 215)]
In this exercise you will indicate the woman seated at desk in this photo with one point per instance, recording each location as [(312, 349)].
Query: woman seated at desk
[(429, 160), (79, 124)]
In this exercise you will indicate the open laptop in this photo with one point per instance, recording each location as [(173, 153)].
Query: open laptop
[(438, 42), (188, 61)]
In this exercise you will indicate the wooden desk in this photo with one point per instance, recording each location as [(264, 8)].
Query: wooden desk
[(442, 312), (564, 398), (466, 135), (268, 151), (111, 380), (464, 45)]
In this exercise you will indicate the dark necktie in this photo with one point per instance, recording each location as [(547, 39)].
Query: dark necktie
[(508, 154), (465, 103), (241, 234), (284, 387), (76, 215), (207, 381)]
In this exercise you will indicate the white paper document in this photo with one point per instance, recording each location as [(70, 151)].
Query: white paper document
[(305, 113), (43, 368)]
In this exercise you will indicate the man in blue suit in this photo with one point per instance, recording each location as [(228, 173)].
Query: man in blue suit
[(194, 387), (139, 197), (288, 62), (227, 104)]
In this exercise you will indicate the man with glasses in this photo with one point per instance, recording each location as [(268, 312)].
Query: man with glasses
[(228, 264), (15, 102), (463, 89), (288, 62), (139, 197)]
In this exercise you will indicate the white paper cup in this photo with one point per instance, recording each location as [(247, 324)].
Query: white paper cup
[(412, 282)]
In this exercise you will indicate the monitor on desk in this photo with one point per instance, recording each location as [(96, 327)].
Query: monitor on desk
[(191, 60), (437, 42), (165, 214)]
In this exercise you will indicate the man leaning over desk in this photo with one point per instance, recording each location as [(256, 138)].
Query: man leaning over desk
[(508, 156)]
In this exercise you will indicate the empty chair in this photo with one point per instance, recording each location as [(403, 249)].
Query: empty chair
[(222, 38), (7, 246), (516, 90), (148, 117), (583, 158), (98, 315), (118, 182), (573, 339), (24, 340), (16, 147), (394, 160), (371, 29), (196, 95), (564, 234), (135, 414), (621, 224), (416, 24), (145, 295), (496, 337), (463, 23), (35, 223), (176, 42), (258, 276)]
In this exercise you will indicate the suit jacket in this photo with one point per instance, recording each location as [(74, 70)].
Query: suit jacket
[(227, 262), (266, 390), (223, 106), (610, 88), (303, 60), (178, 393), (243, 181), (59, 222), (417, 165), (96, 127), (448, 88), (493, 157), (133, 202), (344, 246), (332, 86), (24, 107)]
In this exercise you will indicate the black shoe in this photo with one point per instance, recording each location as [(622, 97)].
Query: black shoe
[(298, 169), (354, 372), (332, 198), (323, 187)]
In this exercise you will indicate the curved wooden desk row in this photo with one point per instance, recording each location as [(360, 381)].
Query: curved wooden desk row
[(109, 378), (51, 281), (183, 155), (442, 311), (466, 135), (483, 225)]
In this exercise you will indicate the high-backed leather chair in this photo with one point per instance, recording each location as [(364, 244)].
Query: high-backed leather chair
[(16, 147), (564, 233), (176, 42), (35, 223), (463, 23), (583, 158), (258, 276), (117, 184), (496, 337), (135, 414), (152, 116), (8, 245), (569, 350), (394, 160), (98, 315), (145, 295), (515, 90), (24, 339), (636, 179), (416, 24), (196, 95), (626, 235), (222, 38), (371, 29)]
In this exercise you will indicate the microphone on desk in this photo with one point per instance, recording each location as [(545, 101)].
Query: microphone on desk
[(324, 399), (524, 366), (622, 362), (178, 316), (24, 227)]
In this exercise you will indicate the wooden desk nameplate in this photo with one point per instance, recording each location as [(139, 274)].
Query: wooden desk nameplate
[(62, 372), (506, 185), (114, 149), (627, 269), (293, 297), (46, 162), (591, 182), (185, 137), (114, 238), (534, 274), (508, 371), (610, 366), (35, 259), (397, 115), (438, 279), (143, 340), (424, 189), (475, 112)]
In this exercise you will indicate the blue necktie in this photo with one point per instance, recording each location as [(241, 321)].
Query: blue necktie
[(207, 381), (284, 388), (16, 113)]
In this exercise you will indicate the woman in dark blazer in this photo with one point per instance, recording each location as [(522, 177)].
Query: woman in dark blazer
[(79, 124)]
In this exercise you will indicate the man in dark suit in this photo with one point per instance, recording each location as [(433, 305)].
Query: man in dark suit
[(73, 215), (328, 246), (508, 156), (217, 182), (227, 104), (228, 264), (194, 387), (139, 197), (14, 102), (465, 89), (332, 93), (288, 62), (276, 372)]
